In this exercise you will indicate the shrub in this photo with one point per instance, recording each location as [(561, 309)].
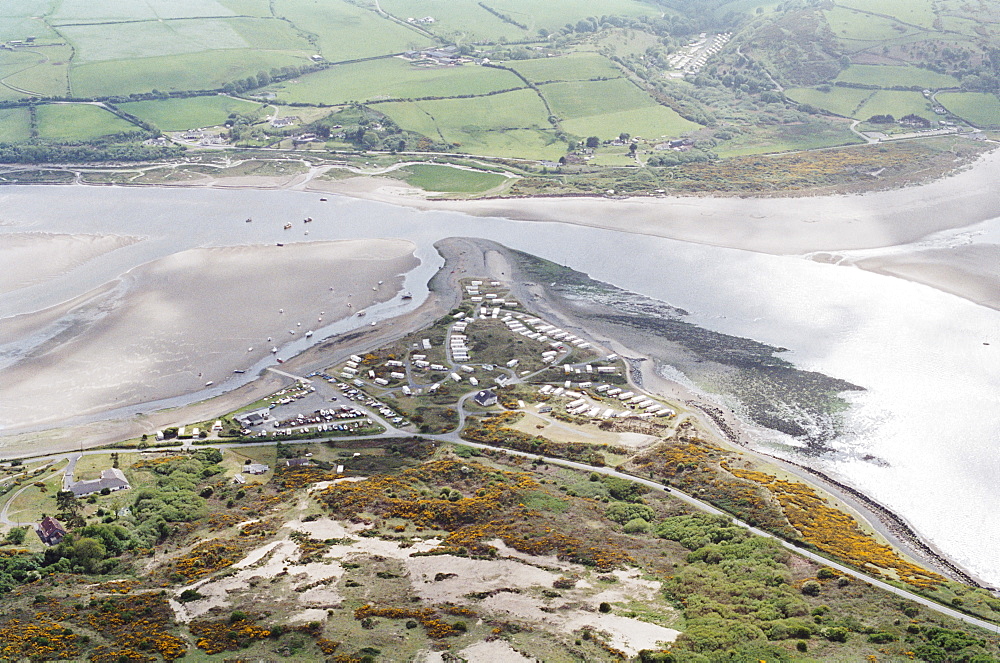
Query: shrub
[(604, 607), (637, 526), (826, 573), (835, 633), (811, 588)]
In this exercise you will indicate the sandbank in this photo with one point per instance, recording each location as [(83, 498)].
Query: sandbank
[(50, 254), (169, 327), (971, 272)]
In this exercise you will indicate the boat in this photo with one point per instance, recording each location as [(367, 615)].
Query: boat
[(280, 244), (322, 200), (407, 295), (274, 350), (308, 219), (361, 314), (280, 360), (288, 226), (209, 383), (249, 220), (309, 333), (239, 371)]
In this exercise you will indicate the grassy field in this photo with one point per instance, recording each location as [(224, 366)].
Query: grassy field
[(850, 25), (979, 109), (19, 19), (839, 100), (192, 71), (445, 178), (189, 113), (918, 12), (343, 31), (15, 125), (78, 122), (84, 11), (897, 104), (467, 19), (486, 125), (392, 78), (788, 137), (607, 108), (48, 77), (889, 76), (571, 67)]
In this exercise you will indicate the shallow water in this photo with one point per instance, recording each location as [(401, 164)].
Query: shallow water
[(930, 409)]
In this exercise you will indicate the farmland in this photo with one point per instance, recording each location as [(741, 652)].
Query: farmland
[(181, 114), (393, 78), (982, 110), (15, 125), (444, 178), (497, 79), (78, 122), (889, 76)]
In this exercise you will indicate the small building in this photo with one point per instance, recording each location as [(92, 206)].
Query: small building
[(254, 418), (111, 479), (298, 462), (256, 468), (485, 398), (50, 531)]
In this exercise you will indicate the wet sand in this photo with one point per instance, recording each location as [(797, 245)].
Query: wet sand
[(49, 255), (169, 327)]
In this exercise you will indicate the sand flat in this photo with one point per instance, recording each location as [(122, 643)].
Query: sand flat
[(972, 272), (172, 325), (32, 258)]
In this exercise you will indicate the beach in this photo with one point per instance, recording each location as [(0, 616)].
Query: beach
[(187, 321)]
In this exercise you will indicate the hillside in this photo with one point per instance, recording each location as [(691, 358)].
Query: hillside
[(634, 83)]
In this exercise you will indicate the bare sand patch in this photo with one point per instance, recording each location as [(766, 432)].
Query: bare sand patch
[(470, 575), (971, 272), (493, 651), (31, 258), (175, 324)]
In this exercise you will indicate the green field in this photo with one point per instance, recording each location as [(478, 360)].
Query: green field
[(344, 31), (124, 41), (917, 12), (856, 26), (77, 11), (466, 20), (392, 78), (508, 124), (651, 123), (897, 104), (431, 177), (979, 109), (839, 100), (15, 125), (890, 76), (21, 18), (78, 122), (189, 113), (571, 67), (194, 71), (608, 108), (42, 71)]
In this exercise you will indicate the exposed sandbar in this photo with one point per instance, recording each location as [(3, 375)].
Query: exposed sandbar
[(32, 258), (172, 325), (972, 272)]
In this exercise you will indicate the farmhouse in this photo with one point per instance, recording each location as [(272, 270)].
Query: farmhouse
[(112, 478), (50, 531), (298, 462), (256, 468)]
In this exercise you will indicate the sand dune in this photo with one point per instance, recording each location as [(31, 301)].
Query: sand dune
[(169, 327)]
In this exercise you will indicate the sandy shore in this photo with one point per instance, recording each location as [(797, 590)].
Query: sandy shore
[(50, 254), (766, 225), (169, 327)]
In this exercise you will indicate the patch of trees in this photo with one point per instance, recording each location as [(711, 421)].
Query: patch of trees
[(503, 17), (91, 153)]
